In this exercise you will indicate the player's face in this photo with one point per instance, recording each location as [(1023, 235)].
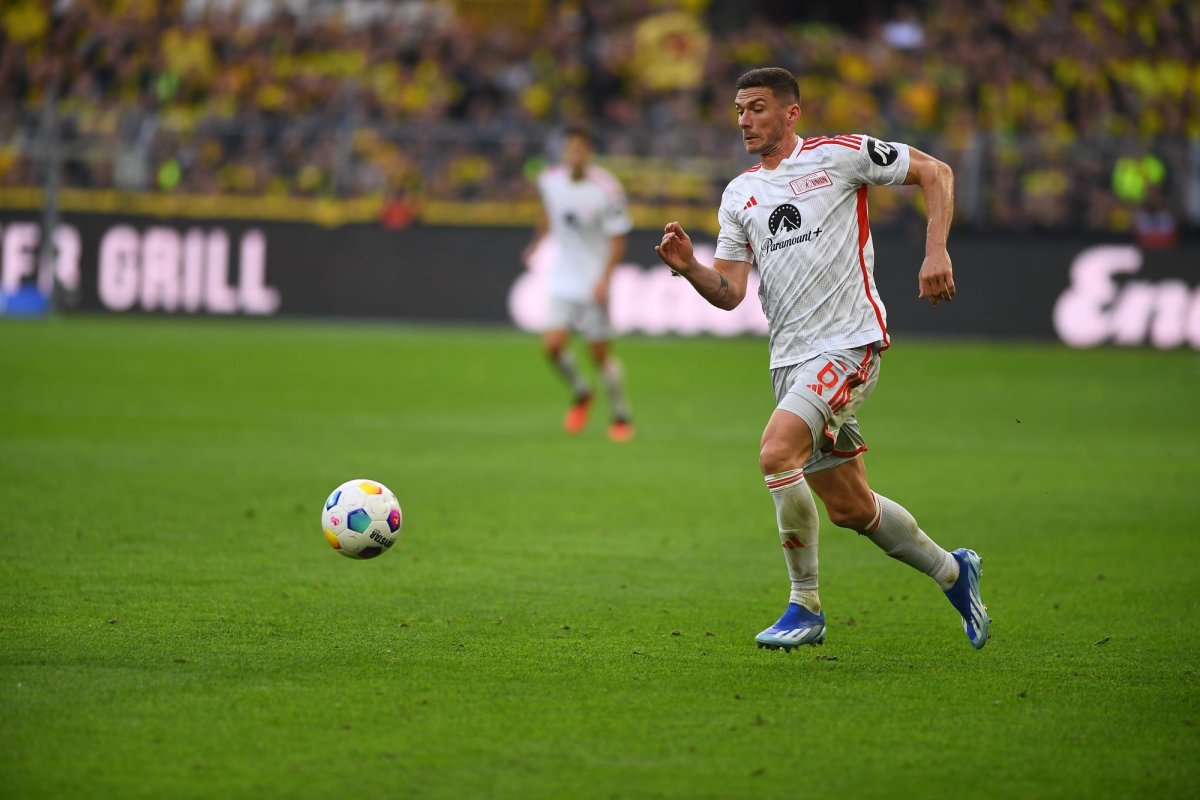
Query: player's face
[(765, 120), (576, 152)]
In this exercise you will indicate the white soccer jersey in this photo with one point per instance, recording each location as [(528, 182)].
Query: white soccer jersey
[(805, 224), (584, 215)]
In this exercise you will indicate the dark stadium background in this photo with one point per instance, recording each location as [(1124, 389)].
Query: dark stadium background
[(392, 144)]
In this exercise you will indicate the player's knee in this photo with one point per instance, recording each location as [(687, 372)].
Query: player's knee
[(552, 346), (850, 511), (777, 456)]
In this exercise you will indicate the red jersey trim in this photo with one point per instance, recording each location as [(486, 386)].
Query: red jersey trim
[(605, 180), (864, 235), (853, 142), (595, 175)]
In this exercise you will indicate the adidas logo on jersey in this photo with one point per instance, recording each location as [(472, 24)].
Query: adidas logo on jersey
[(750, 203)]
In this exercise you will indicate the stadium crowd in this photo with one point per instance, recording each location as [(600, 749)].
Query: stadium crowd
[(1055, 114)]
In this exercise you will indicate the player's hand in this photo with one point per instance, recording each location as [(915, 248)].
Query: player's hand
[(936, 278), (600, 293), (675, 250)]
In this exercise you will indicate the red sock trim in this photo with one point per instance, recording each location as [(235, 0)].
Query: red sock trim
[(874, 526), (783, 480)]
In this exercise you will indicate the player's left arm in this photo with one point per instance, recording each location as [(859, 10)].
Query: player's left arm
[(616, 251), (936, 179), (617, 224)]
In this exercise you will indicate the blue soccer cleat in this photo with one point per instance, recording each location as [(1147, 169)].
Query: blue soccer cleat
[(797, 626), (964, 596)]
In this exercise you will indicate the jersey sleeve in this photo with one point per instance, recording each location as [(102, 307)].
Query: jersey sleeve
[(879, 163), (732, 242), (616, 221)]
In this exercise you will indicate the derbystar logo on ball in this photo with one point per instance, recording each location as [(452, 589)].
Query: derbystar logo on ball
[(361, 519)]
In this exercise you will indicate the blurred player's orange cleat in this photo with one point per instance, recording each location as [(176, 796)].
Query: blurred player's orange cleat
[(577, 414), (620, 431)]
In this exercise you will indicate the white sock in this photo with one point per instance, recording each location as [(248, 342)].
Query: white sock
[(564, 362), (896, 533), (614, 383), (799, 526)]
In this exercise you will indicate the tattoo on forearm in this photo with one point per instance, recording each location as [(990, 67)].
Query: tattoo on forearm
[(723, 287)]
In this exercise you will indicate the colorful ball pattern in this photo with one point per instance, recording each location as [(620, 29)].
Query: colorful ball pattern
[(362, 519)]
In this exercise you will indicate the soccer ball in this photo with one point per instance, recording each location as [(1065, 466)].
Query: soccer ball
[(361, 518)]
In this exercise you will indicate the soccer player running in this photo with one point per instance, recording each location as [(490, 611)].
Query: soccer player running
[(801, 214), (584, 212)]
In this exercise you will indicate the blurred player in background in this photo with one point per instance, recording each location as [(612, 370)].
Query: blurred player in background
[(801, 214), (584, 213)]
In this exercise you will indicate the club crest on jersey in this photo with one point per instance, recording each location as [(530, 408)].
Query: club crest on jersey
[(811, 182)]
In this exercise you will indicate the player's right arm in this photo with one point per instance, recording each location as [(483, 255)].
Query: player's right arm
[(723, 284)]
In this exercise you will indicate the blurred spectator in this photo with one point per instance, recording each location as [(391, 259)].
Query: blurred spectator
[(1031, 101), (670, 50), (1136, 175), (904, 31), (1154, 225)]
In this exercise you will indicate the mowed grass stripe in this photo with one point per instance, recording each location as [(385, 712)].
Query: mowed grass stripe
[(570, 617)]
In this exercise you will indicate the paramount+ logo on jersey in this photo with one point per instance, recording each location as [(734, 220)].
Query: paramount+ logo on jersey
[(783, 221)]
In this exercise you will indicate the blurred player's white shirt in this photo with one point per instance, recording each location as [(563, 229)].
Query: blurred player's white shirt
[(583, 216), (805, 224)]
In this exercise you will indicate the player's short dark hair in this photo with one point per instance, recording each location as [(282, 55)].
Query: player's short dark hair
[(781, 83), (577, 130)]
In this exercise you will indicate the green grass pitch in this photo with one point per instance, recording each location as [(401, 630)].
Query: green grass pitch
[(573, 618)]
